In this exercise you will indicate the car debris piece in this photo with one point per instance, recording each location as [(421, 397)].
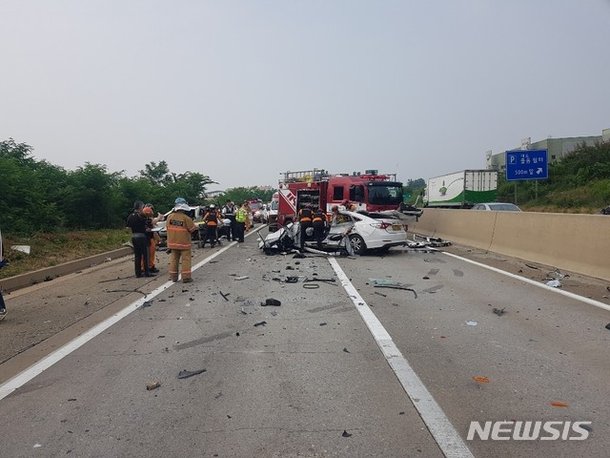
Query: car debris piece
[(381, 294), (480, 379), (311, 285), (224, 296), (559, 404), (345, 350), (608, 326), (498, 311), (147, 303), (243, 277), (260, 323), (21, 248), (405, 288), (323, 324), (291, 279), (554, 283), (471, 323), (152, 386), (186, 374), (327, 280), (346, 434), (272, 302)]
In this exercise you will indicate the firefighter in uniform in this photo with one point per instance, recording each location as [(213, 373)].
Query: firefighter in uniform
[(179, 228), (241, 216), (211, 224), (319, 225), (305, 218)]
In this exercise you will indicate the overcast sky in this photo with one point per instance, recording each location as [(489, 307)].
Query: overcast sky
[(242, 90)]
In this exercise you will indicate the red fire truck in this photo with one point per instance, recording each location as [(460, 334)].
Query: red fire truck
[(369, 191)]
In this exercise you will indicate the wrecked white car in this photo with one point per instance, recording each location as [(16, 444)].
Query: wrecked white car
[(364, 231)]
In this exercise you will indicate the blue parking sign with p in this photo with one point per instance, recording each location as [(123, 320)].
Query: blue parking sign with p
[(527, 165)]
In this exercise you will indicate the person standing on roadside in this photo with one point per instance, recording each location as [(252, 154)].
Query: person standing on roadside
[(2, 264), (305, 218), (152, 238), (137, 222), (211, 220), (179, 227), (241, 216), (228, 212), (319, 225)]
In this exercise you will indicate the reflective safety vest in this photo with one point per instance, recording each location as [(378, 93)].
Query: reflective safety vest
[(211, 218), (319, 216), (179, 227), (305, 215), (241, 215)]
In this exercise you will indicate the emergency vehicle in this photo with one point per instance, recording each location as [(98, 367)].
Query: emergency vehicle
[(368, 191)]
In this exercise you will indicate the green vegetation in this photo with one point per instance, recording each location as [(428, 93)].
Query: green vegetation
[(38, 196), (579, 183), (52, 248), (239, 195)]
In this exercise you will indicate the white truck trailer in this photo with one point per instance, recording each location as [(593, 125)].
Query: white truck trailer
[(461, 189)]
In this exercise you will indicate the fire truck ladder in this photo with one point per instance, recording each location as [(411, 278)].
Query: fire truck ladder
[(303, 176)]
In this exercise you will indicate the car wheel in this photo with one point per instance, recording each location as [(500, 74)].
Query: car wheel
[(358, 244)]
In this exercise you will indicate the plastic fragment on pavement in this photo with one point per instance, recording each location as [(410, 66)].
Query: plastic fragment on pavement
[(346, 434), (152, 386), (471, 323), (554, 283), (186, 374), (272, 302), (480, 379), (559, 404)]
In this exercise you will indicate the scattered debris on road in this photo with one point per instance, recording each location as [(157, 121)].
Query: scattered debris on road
[(186, 374), (260, 323), (224, 296), (152, 386), (498, 311), (381, 294), (311, 285), (553, 283), (346, 434), (345, 350), (272, 302), (608, 326), (480, 379), (243, 277), (471, 323), (559, 404)]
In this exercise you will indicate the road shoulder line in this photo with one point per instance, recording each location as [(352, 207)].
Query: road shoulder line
[(586, 300)]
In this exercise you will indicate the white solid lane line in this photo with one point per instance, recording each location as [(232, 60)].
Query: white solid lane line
[(586, 300), (37, 368), (443, 432)]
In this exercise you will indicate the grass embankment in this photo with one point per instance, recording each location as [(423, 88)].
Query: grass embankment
[(50, 249)]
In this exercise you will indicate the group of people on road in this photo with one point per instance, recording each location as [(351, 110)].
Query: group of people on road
[(231, 221), (315, 218)]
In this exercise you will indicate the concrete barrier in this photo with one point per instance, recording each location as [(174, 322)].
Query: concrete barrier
[(578, 243), (31, 278)]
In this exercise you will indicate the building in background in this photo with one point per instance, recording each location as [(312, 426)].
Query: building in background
[(556, 147)]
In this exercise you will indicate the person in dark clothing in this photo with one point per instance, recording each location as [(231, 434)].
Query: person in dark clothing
[(319, 225), (228, 211), (137, 222), (305, 218), (2, 264)]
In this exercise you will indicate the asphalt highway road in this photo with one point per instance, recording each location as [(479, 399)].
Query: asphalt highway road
[(341, 369)]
